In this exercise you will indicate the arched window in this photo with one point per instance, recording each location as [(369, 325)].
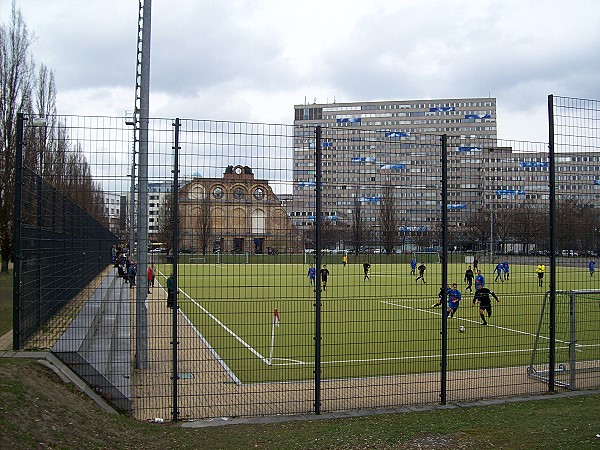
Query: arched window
[(258, 221)]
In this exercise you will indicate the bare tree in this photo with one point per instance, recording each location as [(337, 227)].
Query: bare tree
[(358, 231), (388, 219), (204, 223), (165, 222), (15, 95)]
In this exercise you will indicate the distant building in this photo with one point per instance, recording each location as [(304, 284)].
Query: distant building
[(370, 146), (236, 213)]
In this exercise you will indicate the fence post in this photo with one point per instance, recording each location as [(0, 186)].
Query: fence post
[(175, 228), (17, 233), (318, 244), (553, 249), (444, 290)]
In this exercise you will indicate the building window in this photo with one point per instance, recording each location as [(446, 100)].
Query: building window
[(239, 193), (218, 192), (259, 193)]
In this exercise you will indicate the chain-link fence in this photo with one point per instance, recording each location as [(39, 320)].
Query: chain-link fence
[(299, 269)]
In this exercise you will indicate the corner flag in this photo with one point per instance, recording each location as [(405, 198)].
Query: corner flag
[(275, 323)]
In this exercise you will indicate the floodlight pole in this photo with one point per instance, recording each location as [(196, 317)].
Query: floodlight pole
[(142, 223)]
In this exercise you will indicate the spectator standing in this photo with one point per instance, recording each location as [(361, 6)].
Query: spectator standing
[(171, 291)]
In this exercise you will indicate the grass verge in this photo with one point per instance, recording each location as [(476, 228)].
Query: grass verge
[(39, 411)]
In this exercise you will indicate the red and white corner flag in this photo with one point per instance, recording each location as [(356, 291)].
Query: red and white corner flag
[(275, 323)]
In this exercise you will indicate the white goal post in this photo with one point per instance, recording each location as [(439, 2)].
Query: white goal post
[(577, 339), (427, 257)]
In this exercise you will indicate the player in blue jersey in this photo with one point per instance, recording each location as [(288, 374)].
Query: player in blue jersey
[(479, 279), (454, 297), (413, 266), (506, 269), (499, 268), (312, 273)]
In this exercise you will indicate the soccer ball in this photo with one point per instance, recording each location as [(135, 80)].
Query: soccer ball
[(461, 329)]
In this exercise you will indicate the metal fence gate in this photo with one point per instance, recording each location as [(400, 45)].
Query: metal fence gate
[(311, 267)]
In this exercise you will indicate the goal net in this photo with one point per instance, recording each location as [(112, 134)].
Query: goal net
[(577, 340), (426, 257)]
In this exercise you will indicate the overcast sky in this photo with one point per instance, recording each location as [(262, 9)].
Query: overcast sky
[(252, 60)]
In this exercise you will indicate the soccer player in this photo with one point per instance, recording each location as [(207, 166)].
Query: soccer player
[(454, 297), (482, 297), (592, 267), (413, 266), (540, 273), (506, 270), (441, 296), (312, 273), (324, 275), (421, 276), (366, 267), (469, 275), (479, 279), (499, 268), (344, 259)]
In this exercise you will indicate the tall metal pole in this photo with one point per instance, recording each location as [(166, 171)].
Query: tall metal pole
[(552, 224), (142, 224), (318, 245), (175, 219), (444, 360)]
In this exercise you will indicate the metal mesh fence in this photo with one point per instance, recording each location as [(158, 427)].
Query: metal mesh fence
[(310, 265)]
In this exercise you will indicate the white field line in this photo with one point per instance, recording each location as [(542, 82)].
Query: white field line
[(220, 360), (222, 325), (474, 321)]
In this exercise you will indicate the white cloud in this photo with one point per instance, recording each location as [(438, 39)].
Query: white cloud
[(253, 60)]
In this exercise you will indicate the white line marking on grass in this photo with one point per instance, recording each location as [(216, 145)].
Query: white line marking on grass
[(239, 339), (220, 360), (473, 321), (294, 362)]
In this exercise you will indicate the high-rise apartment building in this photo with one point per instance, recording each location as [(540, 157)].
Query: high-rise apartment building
[(382, 156)]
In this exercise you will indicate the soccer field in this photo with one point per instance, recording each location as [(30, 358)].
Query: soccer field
[(378, 327)]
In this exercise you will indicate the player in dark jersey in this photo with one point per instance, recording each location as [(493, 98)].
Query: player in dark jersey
[(366, 267), (324, 275), (482, 297), (469, 279), (421, 270)]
